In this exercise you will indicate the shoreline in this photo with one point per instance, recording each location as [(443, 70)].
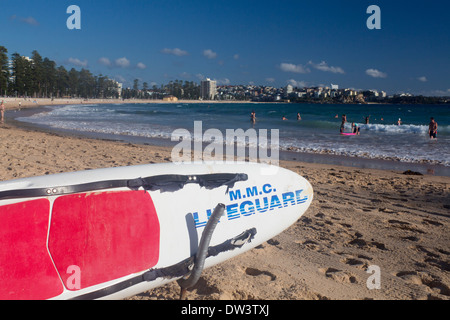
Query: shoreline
[(423, 168), (13, 103), (359, 218)]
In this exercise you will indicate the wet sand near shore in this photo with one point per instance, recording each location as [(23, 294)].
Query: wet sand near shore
[(359, 218)]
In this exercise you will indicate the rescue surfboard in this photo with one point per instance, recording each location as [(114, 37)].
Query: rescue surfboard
[(113, 233)]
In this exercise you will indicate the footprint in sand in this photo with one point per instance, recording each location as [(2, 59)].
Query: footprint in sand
[(433, 257), (405, 226), (355, 263), (339, 275), (256, 272), (312, 245), (346, 225), (423, 279), (432, 222), (363, 244), (411, 238)]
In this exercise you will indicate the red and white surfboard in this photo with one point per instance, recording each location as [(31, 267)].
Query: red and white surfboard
[(113, 233)]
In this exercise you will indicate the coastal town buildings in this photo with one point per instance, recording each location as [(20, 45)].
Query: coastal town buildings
[(319, 94)]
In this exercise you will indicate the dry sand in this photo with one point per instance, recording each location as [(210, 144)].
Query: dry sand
[(359, 218)]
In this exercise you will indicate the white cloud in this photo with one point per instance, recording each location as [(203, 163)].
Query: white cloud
[(224, 81), (323, 66), (141, 66), (289, 67), (270, 80), (122, 62), (119, 63), (176, 52), (423, 79), (209, 54), (295, 83), (236, 57), (77, 62), (104, 61), (376, 73), (29, 20), (120, 78), (185, 75)]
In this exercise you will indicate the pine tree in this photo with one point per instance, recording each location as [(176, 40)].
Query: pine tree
[(4, 71)]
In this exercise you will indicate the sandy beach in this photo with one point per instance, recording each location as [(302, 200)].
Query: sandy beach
[(360, 218), (22, 103)]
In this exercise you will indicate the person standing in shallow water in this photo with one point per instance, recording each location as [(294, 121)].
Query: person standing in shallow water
[(344, 120), (2, 112), (253, 117), (432, 129)]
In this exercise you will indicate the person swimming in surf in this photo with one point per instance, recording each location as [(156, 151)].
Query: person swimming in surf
[(432, 128)]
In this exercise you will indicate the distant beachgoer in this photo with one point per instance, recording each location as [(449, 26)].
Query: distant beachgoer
[(399, 122), (432, 129), (284, 118), (344, 120), (2, 111), (253, 117), (366, 119), (299, 117), (336, 116)]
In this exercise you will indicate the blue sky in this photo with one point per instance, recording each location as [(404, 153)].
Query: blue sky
[(305, 43)]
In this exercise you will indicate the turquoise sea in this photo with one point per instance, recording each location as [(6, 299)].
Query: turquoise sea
[(317, 132)]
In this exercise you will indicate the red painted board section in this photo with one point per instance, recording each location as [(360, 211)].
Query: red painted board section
[(26, 269), (104, 235)]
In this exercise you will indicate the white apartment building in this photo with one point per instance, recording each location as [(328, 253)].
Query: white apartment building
[(208, 89)]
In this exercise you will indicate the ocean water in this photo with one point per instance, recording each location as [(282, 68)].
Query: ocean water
[(317, 132)]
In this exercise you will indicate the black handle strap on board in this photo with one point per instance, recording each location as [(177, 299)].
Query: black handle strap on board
[(164, 183)]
